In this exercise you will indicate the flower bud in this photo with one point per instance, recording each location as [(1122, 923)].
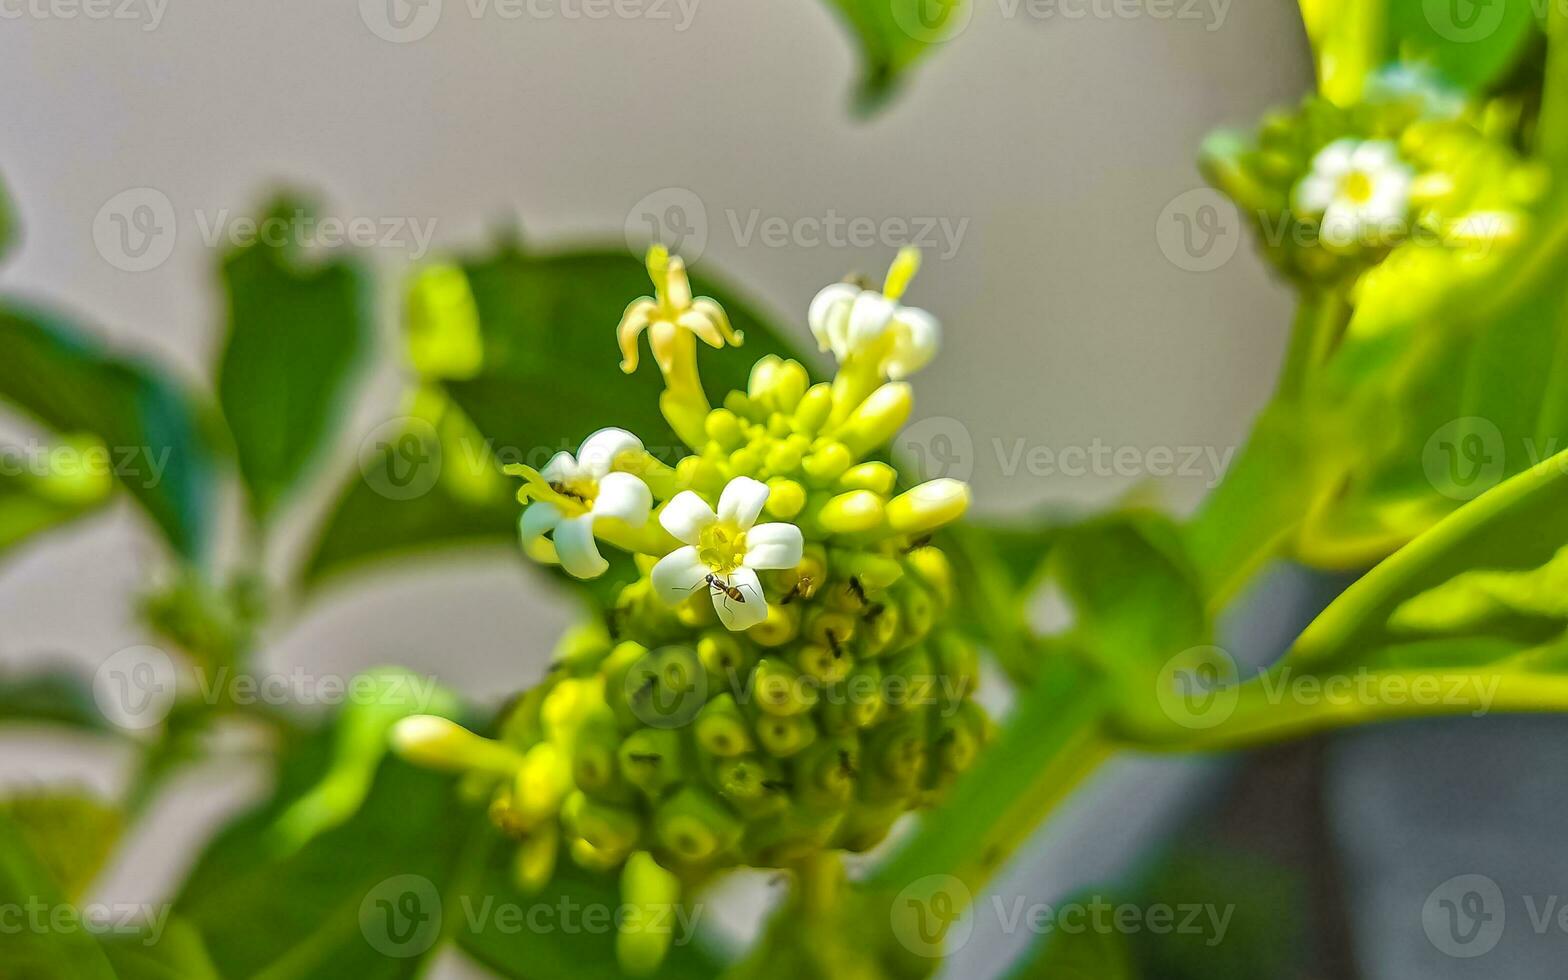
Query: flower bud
[(435, 742), (695, 827), (780, 690), (781, 736), (877, 477), (875, 421), (928, 506), (785, 498), (721, 728), (534, 862), (826, 464), (852, 512), (814, 408), (644, 932)]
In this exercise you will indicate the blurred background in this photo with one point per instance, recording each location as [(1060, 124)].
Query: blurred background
[(1037, 159)]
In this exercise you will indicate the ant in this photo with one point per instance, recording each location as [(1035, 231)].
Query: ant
[(834, 645), (720, 587), (874, 611), (857, 590), (646, 758), (776, 785), (646, 687)]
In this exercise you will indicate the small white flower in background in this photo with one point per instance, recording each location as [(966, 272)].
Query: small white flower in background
[(1360, 188), (852, 321), (581, 490), (729, 546)]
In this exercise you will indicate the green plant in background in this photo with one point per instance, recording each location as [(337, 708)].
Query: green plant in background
[(736, 592)]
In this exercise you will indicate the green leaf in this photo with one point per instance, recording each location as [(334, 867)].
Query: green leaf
[(1471, 45), (379, 895), (176, 954), (1087, 954), (414, 492), (894, 35), (70, 835), (157, 435), (42, 950), (52, 695), (298, 327)]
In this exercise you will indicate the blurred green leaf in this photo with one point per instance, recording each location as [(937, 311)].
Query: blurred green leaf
[(71, 835), (157, 435), (1470, 44), (380, 894), (1087, 954), (39, 951), (299, 324), (175, 954), (53, 695), (408, 496), (894, 35)]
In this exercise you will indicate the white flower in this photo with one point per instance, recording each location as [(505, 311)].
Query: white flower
[(581, 490), (724, 551), (1360, 188), (855, 322)]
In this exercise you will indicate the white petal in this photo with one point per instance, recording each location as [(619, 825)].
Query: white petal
[(677, 575), (746, 611), (774, 546), (1333, 161), (1314, 194), (686, 516), (575, 546), (828, 309), (599, 450), (539, 518), (742, 501), (1374, 156), (562, 467), (918, 335), (1340, 226), (623, 496), (869, 318)]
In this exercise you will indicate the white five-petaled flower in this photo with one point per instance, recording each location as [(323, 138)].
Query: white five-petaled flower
[(1360, 188), (723, 551), (850, 321), (582, 490)]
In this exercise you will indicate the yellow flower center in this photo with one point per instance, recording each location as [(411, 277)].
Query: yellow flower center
[(721, 547), (1356, 187)]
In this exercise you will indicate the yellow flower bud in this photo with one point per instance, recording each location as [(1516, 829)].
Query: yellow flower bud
[(435, 742), (877, 477), (534, 862), (815, 406), (875, 421), (852, 512), (724, 428), (827, 464), (928, 506), (785, 497)]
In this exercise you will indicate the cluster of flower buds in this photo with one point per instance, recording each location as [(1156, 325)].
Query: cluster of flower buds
[(780, 679), (1332, 190)]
